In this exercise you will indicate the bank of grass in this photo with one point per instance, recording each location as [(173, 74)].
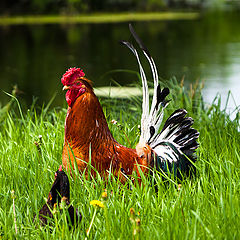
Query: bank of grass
[(205, 206), (98, 18)]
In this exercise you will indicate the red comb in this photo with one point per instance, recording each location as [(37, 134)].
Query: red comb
[(71, 75), (60, 168)]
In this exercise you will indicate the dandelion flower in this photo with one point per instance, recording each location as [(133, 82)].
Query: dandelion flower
[(97, 203), (104, 195)]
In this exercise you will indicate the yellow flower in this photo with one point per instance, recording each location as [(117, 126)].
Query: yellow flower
[(97, 203), (104, 195)]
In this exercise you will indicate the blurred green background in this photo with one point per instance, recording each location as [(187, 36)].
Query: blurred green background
[(79, 6), (34, 56)]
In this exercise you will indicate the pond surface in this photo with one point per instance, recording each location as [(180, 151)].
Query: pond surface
[(35, 56)]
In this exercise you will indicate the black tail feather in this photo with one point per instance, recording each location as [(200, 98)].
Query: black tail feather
[(177, 142)]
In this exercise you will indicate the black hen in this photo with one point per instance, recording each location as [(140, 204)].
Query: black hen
[(59, 193)]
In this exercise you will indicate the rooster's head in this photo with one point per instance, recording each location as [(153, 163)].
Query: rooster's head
[(76, 84)]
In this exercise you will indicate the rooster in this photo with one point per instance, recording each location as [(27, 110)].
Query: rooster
[(88, 138), (59, 193)]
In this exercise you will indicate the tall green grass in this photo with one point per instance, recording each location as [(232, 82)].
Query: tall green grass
[(205, 206)]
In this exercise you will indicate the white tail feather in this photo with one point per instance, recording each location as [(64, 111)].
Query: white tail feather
[(150, 121), (145, 103)]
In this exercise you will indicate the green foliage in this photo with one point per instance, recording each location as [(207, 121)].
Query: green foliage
[(79, 6), (203, 207)]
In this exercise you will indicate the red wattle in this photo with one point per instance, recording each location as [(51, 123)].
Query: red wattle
[(73, 94)]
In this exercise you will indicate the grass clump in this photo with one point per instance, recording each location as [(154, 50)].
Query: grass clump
[(205, 206)]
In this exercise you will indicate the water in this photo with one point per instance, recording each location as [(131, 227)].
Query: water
[(35, 56)]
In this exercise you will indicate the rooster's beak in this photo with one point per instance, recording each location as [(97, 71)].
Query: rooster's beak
[(66, 88)]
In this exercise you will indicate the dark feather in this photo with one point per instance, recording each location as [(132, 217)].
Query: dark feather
[(158, 95), (138, 40), (177, 144), (164, 94), (152, 131), (161, 95), (175, 118)]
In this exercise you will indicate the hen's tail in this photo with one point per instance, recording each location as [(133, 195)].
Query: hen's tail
[(177, 141)]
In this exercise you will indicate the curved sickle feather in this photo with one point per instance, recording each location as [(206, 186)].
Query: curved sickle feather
[(152, 65), (145, 103), (150, 121)]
